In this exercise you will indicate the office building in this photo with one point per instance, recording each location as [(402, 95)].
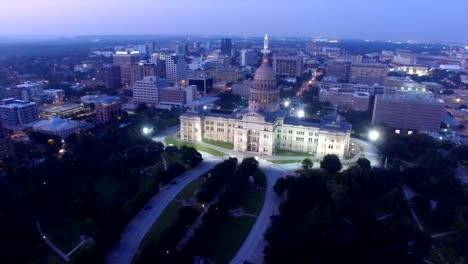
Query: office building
[(408, 113), (31, 91), (125, 60), (242, 88), (226, 46), (109, 76), (140, 70), (177, 96), (247, 57), (70, 110), (16, 113), (56, 95), (340, 69), (368, 73), (264, 128), (147, 90), (150, 47), (345, 99), (290, 66), (176, 69), (11, 92), (204, 84), (108, 109)]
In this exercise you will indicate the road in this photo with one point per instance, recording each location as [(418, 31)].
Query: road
[(49, 243), (252, 249), (125, 249)]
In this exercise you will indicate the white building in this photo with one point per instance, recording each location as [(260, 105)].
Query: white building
[(59, 127), (177, 96), (264, 128), (247, 57), (176, 68), (56, 94), (16, 113), (147, 90)]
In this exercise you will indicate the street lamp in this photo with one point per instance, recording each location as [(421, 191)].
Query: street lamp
[(286, 103), (374, 135), (146, 130), (300, 114)]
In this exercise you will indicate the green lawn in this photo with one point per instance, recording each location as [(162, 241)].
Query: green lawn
[(164, 221), (231, 237), (252, 201), (189, 191), (221, 144), (284, 161), (281, 152), (171, 141)]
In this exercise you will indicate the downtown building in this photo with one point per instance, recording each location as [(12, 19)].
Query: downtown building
[(339, 69), (140, 70), (177, 96), (290, 66), (406, 113), (264, 128), (176, 68), (247, 57), (368, 73), (125, 60), (108, 109), (345, 99), (204, 84), (147, 90), (17, 113), (109, 76), (226, 47)]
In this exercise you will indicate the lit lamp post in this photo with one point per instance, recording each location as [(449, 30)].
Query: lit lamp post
[(146, 130), (374, 135), (300, 114)]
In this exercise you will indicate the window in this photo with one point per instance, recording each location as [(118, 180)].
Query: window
[(300, 133), (330, 146), (290, 131), (310, 140), (300, 139)]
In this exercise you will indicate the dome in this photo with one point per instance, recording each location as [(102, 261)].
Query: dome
[(265, 72)]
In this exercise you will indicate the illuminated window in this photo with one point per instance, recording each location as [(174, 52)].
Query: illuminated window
[(410, 132), (397, 131)]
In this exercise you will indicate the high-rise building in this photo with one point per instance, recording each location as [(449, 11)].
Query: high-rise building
[(176, 68), (16, 113), (288, 65), (339, 69), (147, 90), (141, 70), (345, 99), (181, 49), (108, 110), (109, 76), (368, 73), (150, 47), (204, 84), (226, 46), (125, 60), (247, 57), (408, 113)]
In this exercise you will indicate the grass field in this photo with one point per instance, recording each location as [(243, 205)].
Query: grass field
[(231, 237), (189, 191), (220, 144), (284, 161), (281, 152), (252, 201), (171, 141)]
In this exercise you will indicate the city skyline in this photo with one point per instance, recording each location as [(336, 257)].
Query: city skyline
[(395, 20)]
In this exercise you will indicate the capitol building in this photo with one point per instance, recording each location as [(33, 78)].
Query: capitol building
[(265, 127)]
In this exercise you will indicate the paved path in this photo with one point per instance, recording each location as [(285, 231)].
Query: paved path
[(252, 249), (124, 250), (49, 243)]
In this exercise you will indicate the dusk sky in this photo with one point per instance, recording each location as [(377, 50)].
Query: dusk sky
[(366, 19)]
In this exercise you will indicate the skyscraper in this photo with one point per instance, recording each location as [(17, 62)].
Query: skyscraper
[(125, 60), (109, 76), (226, 46), (176, 68), (339, 69), (247, 57), (141, 70), (147, 90)]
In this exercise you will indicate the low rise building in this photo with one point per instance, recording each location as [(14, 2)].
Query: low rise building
[(408, 113), (345, 99), (70, 110), (60, 127), (108, 109), (147, 90), (56, 95), (177, 96)]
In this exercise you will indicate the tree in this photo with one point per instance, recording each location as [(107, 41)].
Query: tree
[(280, 186), (331, 163), (364, 164), (307, 164)]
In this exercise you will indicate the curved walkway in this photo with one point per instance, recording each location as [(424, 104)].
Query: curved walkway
[(124, 250)]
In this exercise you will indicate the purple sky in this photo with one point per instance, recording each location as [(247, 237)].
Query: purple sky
[(428, 20)]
